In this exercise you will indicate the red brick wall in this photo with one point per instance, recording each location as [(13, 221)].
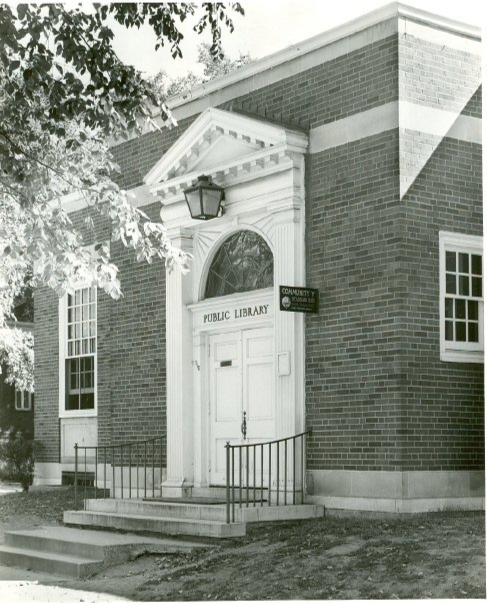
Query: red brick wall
[(46, 336), (353, 347), (131, 353), (442, 420), (136, 344)]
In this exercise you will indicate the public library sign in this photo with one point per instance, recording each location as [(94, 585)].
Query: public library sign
[(248, 309), (236, 313)]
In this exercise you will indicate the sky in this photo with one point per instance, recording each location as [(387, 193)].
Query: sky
[(271, 25)]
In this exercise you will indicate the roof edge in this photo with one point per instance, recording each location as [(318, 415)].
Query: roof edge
[(384, 13)]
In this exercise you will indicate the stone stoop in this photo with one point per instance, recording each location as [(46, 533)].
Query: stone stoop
[(183, 517), (76, 553)]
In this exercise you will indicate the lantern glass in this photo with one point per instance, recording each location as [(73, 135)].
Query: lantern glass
[(210, 200), (194, 204), (204, 199)]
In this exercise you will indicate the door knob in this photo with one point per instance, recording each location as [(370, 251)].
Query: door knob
[(243, 427)]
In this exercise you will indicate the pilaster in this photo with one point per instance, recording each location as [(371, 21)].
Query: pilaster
[(179, 382)]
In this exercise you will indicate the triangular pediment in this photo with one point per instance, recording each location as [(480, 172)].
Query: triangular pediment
[(221, 144)]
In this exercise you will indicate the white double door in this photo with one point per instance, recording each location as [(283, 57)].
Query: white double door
[(241, 380)]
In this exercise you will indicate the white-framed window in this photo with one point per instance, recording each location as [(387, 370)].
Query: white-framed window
[(78, 362), (461, 298), (23, 400)]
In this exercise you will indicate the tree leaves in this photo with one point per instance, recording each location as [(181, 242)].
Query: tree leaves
[(63, 94)]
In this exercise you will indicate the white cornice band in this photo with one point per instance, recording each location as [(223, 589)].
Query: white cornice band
[(403, 115)]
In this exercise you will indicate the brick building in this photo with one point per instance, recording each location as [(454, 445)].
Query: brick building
[(351, 164), (16, 406)]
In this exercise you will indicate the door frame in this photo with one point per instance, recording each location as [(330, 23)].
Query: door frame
[(202, 331), (211, 392)]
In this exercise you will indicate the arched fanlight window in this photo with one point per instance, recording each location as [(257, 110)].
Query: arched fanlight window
[(244, 262)]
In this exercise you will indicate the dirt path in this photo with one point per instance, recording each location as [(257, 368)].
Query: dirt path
[(434, 556)]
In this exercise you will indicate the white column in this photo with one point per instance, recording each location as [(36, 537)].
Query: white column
[(289, 326), (179, 377), (289, 269), (200, 417)]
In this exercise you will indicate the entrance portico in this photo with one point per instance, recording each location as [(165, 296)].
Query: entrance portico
[(261, 167)]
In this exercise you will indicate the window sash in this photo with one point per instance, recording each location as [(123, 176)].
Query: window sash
[(78, 347), (23, 400), (461, 301), (80, 383)]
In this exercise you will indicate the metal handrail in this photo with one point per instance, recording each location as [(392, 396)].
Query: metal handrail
[(110, 454), (272, 478)]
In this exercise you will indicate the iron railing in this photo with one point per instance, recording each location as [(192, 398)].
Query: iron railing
[(135, 457), (268, 473)]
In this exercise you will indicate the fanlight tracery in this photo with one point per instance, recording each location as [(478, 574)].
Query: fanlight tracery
[(244, 262)]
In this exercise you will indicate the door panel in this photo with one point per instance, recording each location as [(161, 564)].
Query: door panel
[(260, 402), (258, 384), (225, 399), (228, 404), (241, 379)]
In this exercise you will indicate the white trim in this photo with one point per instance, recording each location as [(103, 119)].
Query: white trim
[(273, 206), (355, 127), (265, 137), (402, 114), (439, 122), (23, 395), (63, 347), (455, 351)]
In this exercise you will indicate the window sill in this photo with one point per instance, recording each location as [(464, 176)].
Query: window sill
[(463, 356), (77, 414)]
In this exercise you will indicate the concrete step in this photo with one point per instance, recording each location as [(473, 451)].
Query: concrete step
[(159, 525), (43, 540), (50, 549), (51, 563), (145, 508), (209, 512)]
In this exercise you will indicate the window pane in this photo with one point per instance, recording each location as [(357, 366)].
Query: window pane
[(244, 262), (476, 286), (449, 330), (463, 285), (451, 283), (87, 401), (473, 332), (460, 331), (460, 308), (473, 310), (477, 264), (72, 402), (448, 307), (451, 263), (463, 263)]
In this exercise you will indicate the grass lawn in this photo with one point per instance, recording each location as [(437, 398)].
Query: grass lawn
[(440, 555)]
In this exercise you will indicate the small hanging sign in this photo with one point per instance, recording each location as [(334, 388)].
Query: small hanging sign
[(298, 299)]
